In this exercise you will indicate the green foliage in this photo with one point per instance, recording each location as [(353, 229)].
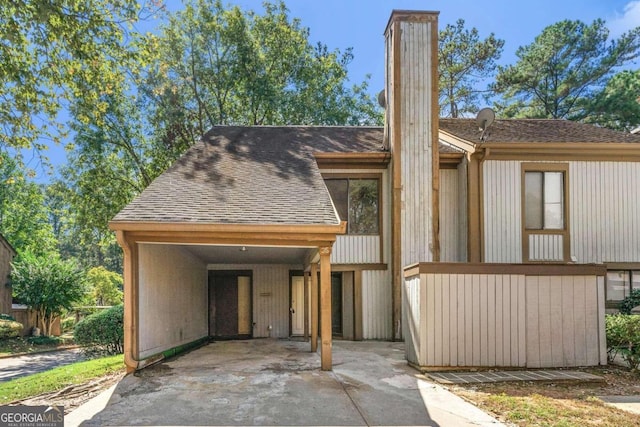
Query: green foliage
[(10, 329), (56, 53), (102, 332), (23, 216), (464, 60), (630, 302), (48, 285), (616, 106), (67, 324), (7, 317), (565, 66), (623, 338), (105, 285), (45, 340)]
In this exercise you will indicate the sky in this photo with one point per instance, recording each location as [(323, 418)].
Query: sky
[(359, 24)]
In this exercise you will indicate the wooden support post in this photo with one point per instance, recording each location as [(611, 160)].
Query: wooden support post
[(314, 307), (306, 306), (325, 308), (357, 305)]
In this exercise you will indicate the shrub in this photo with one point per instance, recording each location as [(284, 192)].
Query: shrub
[(67, 324), (7, 317), (44, 340), (10, 329), (102, 332), (630, 302), (623, 338)]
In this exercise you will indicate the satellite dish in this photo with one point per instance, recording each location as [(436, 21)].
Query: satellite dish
[(484, 119), (382, 99)]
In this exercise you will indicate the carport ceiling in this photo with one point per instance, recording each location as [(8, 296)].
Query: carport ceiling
[(252, 255)]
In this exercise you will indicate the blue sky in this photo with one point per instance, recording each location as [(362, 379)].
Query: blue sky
[(359, 24)]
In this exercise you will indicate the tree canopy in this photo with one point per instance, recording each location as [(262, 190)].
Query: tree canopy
[(564, 68), (464, 61)]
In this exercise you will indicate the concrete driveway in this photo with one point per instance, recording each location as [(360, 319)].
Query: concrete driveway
[(279, 382)]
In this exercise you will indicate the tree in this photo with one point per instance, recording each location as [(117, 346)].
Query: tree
[(464, 61), (106, 286), (23, 217), (616, 106), (563, 68), (213, 65), (48, 285), (59, 52)]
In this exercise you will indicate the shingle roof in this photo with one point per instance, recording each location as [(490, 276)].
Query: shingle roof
[(247, 175), (536, 130)]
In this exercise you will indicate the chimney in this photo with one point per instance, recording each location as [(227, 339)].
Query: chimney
[(411, 50)]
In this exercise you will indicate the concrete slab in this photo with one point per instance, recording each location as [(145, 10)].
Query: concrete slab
[(504, 376), (276, 382), (627, 403)]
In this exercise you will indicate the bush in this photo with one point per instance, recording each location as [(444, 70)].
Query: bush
[(7, 317), (10, 329), (44, 340), (67, 324), (102, 332), (623, 338), (630, 302)]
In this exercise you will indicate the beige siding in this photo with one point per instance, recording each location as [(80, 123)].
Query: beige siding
[(502, 211), (376, 304), (462, 209), (417, 141), (173, 298), (451, 249), (270, 297), (604, 211), (505, 320), (411, 318), (545, 247), (356, 250)]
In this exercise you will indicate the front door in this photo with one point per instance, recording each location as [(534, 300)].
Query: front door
[(297, 305), (230, 304)]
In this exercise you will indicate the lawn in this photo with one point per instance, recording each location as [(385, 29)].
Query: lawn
[(59, 378), (32, 344), (536, 404)]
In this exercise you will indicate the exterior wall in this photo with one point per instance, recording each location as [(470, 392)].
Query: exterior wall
[(510, 320), (6, 256), (270, 300), (452, 243), (376, 305), (604, 225), (502, 211), (173, 298)]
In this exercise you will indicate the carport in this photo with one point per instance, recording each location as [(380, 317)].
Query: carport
[(213, 210)]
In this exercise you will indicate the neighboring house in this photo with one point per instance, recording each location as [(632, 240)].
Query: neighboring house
[(475, 253), (6, 256)]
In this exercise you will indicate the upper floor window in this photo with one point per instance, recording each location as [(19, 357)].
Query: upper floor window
[(357, 201), (544, 202)]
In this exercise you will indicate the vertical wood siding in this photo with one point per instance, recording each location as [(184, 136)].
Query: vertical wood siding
[(173, 300), (502, 211), (356, 250), (450, 216), (506, 320), (417, 141), (463, 223), (270, 297), (376, 304), (545, 247), (411, 319), (604, 224), (604, 211)]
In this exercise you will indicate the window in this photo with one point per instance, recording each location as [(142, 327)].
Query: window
[(620, 283), (544, 200), (357, 202)]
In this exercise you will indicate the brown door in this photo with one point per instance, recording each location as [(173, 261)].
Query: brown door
[(230, 304)]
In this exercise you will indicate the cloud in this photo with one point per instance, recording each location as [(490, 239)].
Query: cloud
[(625, 21)]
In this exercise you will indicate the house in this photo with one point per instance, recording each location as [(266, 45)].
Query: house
[(6, 256), (500, 251)]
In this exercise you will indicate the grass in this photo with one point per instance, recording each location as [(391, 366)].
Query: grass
[(32, 344), (59, 378), (562, 405)]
